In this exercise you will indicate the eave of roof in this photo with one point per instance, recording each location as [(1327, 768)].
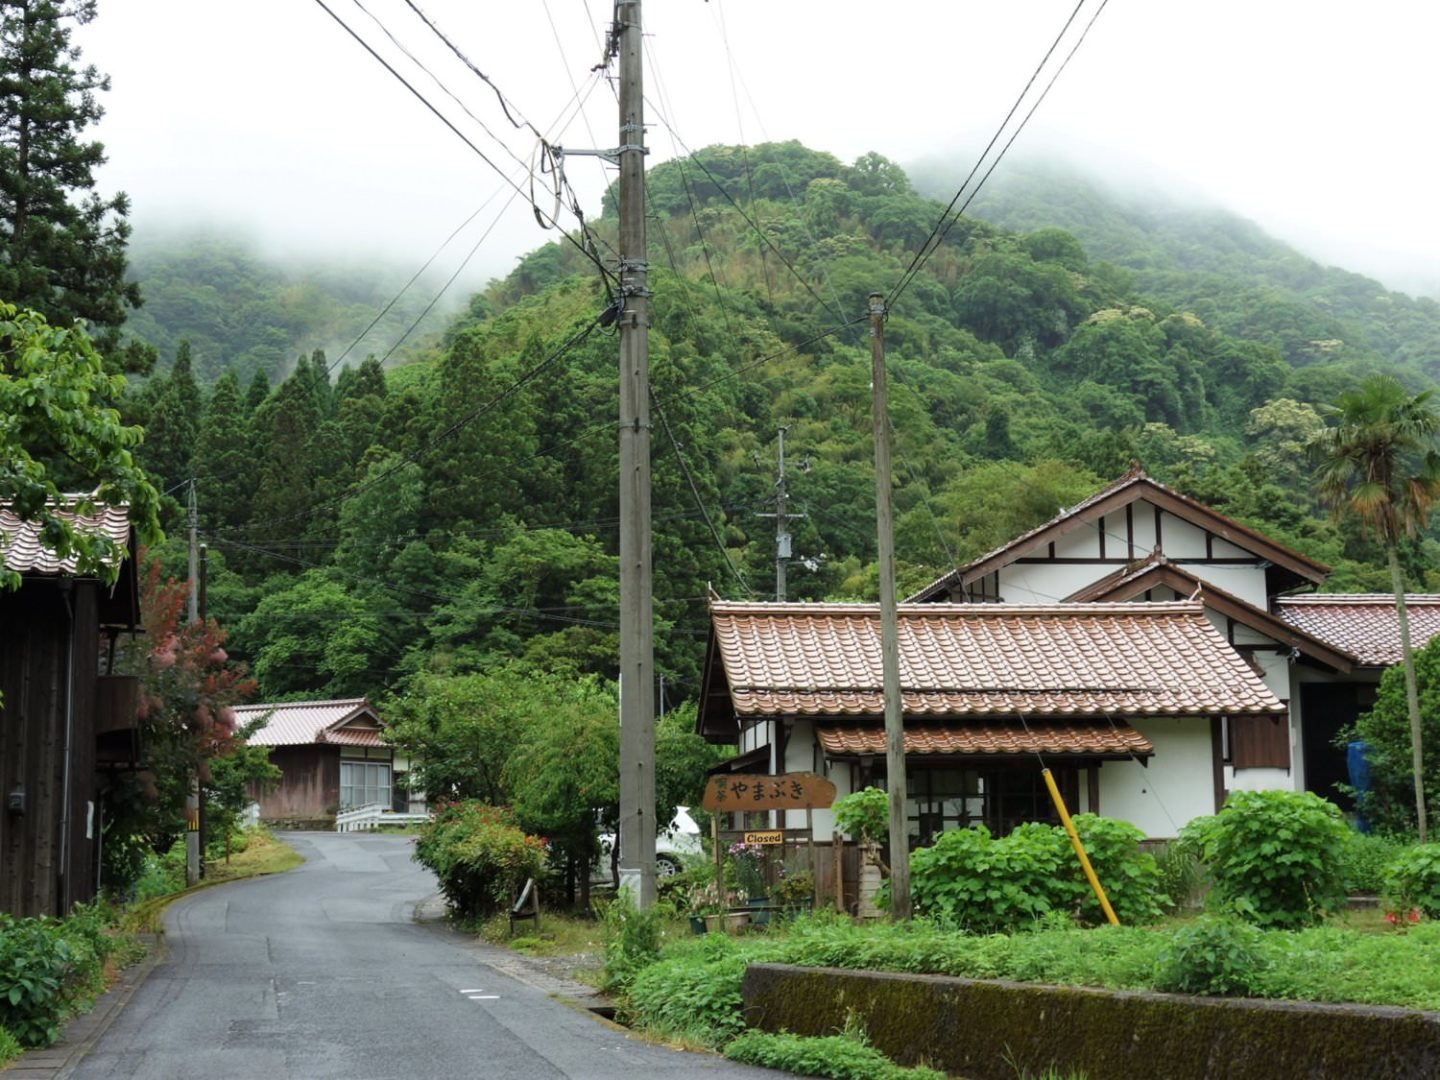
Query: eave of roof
[(303, 723), (985, 660), (1115, 740), (22, 551), (1158, 570), (1134, 485)]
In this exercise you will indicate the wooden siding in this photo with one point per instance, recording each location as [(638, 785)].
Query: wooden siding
[(1259, 742), (309, 786), (47, 860)]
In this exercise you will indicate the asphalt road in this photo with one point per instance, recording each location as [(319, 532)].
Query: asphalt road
[(323, 972)]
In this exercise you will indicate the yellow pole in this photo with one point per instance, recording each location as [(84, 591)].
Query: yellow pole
[(1079, 848)]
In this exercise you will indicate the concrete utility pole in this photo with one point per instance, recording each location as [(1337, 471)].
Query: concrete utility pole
[(889, 635), (782, 518), (192, 796), (637, 628)]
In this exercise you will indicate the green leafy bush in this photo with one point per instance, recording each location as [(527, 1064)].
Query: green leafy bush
[(480, 856), (973, 881), (864, 815), (1363, 862), (847, 1056), (1182, 875), (695, 996), (631, 938), (1274, 857), (1412, 881), (1211, 956), (10, 1048)]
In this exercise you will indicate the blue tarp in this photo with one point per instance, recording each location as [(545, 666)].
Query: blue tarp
[(1359, 780)]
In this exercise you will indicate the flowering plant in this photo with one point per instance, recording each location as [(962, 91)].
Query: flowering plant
[(748, 861)]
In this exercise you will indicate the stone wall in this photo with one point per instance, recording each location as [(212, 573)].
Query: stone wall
[(988, 1030)]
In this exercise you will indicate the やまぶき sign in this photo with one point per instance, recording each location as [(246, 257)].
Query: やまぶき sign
[(788, 791)]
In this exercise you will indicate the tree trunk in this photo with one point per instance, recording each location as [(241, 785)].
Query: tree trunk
[(1412, 694)]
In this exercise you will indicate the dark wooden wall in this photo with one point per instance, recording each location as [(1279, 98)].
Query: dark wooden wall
[(309, 785), (47, 860)]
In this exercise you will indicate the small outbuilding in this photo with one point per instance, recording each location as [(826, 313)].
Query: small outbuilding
[(331, 758)]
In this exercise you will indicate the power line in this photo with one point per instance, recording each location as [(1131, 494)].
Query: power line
[(947, 222), (587, 252), (695, 491)]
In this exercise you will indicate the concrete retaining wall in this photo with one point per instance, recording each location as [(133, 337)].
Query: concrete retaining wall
[(985, 1030)]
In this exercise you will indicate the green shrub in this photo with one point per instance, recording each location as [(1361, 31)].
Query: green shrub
[(1412, 881), (1363, 862), (631, 939), (696, 996), (1274, 856), (35, 965), (848, 1056), (479, 855), (1211, 956), (10, 1048), (973, 881), (864, 815), (1182, 875)]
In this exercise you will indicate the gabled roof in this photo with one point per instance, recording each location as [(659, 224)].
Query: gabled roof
[(1134, 486), (981, 660), (1131, 581), (23, 552), (344, 722), (1364, 624)]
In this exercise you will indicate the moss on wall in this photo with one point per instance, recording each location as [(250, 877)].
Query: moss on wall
[(983, 1030)]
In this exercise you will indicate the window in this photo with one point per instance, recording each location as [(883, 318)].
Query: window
[(940, 799), (363, 783)]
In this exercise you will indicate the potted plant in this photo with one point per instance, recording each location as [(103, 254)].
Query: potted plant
[(796, 890)]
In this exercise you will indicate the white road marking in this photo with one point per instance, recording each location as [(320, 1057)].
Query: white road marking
[(484, 997), (477, 990)]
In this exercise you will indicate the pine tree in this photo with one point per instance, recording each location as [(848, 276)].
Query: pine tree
[(174, 423), (224, 464), (62, 246), (256, 392)]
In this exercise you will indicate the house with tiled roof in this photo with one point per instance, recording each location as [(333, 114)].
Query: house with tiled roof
[(331, 758), (1139, 541), (1152, 651), (1120, 701), (67, 723)]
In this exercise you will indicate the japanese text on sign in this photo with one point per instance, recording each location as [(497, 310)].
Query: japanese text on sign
[(788, 791)]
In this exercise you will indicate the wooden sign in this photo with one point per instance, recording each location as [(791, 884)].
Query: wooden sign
[(774, 836), (788, 791)]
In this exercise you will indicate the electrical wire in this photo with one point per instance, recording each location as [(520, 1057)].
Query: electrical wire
[(947, 222)]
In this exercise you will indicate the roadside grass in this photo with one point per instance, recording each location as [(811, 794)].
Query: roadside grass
[(263, 855)]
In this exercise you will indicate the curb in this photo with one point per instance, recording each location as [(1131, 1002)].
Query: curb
[(82, 1032)]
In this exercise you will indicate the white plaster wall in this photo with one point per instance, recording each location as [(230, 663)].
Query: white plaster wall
[(1081, 543), (1144, 516), (1260, 779), (1246, 582), (1223, 549), (1178, 784), (1046, 583), (1181, 540)]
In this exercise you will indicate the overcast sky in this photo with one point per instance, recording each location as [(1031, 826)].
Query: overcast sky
[(1315, 118)]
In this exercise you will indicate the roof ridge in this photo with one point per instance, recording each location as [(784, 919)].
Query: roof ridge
[(309, 704)]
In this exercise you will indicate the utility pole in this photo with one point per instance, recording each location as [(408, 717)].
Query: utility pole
[(637, 628), (889, 634), (782, 521), (192, 796)]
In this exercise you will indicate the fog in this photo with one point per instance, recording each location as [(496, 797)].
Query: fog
[(1314, 119)]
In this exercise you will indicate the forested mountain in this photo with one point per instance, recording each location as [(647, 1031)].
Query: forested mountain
[(1226, 270), (374, 527), (245, 313)]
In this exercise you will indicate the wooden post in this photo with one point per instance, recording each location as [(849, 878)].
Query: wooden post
[(837, 856), (810, 853), (889, 636), (719, 859)]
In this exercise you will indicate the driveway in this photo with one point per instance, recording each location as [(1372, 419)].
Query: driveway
[(323, 972)]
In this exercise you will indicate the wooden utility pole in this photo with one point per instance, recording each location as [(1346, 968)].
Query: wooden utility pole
[(192, 796), (637, 629), (889, 634), (782, 516)]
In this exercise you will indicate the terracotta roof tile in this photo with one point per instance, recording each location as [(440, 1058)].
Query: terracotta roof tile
[(985, 660), (298, 723), (1364, 624), (1102, 739), (23, 552)]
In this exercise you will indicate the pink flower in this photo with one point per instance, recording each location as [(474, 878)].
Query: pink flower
[(1414, 915), (1390, 917)]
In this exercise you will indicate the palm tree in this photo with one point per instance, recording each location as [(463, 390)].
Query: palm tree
[(1380, 465)]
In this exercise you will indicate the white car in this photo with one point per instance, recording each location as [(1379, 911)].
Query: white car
[(672, 844)]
